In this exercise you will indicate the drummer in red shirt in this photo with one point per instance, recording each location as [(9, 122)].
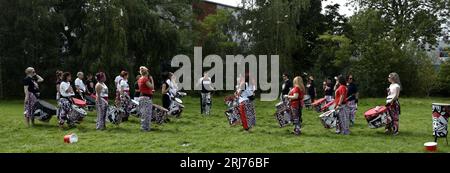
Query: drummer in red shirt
[(145, 101), (295, 98), (343, 123)]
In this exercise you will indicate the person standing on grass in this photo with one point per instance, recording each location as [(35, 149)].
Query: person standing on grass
[(137, 93), (206, 83), (58, 82), (286, 86), (165, 89), (146, 87), (342, 125), (393, 104), (311, 88), (245, 93), (295, 97), (80, 87), (124, 96), (90, 84), (116, 83), (101, 101), (31, 90), (65, 101), (328, 90), (352, 98)]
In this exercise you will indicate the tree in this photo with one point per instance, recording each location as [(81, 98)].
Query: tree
[(410, 20), (288, 28)]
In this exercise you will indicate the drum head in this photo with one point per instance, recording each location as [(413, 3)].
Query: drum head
[(79, 110), (440, 104), (135, 102), (307, 97), (178, 100)]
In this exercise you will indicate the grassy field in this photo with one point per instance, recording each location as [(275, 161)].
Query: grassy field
[(193, 133)]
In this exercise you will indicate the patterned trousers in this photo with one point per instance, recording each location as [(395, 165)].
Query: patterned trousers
[(29, 106), (102, 110), (146, 109), (64, 109), (343, 122), (352, 107), (394, 113)]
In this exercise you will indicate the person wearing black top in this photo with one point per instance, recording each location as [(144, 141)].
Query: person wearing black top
[(206, 83), (311, 88), (137, 92), (286, 86), (352, 98), (31, 90), (328, 90), (165, 90), (90, 84)]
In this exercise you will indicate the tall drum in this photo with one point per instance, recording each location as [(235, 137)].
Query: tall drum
[(441, 112)]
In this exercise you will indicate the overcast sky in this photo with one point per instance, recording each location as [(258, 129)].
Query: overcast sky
[(343, 10)]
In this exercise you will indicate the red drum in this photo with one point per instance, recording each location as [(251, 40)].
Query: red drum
[(327, 107), (328, 119), (441, 113), (318, 104), (377, 117), (78, 102), (283, 114)]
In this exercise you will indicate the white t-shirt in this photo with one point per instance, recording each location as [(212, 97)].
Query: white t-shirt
[(117, 79), (247, 92), (123, 85), (173, 88), (80, 84), (63, 87), (393, 89)]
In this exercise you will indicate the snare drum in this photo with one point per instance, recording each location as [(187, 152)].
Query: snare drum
[(159, 114), (179, 100), (113, 115), (232, 115), (78, 102), (441, 113), (377, 117), (283, 114), (44, 111), (327, 107), (328, 119), (77, 114), (318, 104)]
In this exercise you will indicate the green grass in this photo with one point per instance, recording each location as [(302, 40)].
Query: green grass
[(213, 134)]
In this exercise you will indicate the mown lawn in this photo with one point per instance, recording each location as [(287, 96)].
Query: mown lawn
[(193, 133)]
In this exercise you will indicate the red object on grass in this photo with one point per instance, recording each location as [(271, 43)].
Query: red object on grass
[(431, 146)]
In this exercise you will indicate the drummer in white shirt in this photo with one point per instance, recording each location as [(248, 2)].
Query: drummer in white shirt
[(80, 87), (116, 84), (64, 103)]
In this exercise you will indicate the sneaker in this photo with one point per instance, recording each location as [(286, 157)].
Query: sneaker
[(388, 131), (297, 132), (395, 133)]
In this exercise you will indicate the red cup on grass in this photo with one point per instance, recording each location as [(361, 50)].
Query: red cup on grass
[(431, 146), (71, 138)]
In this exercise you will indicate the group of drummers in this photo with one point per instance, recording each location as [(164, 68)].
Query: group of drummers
[(67, 96), (340, 99), (295, 96)]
